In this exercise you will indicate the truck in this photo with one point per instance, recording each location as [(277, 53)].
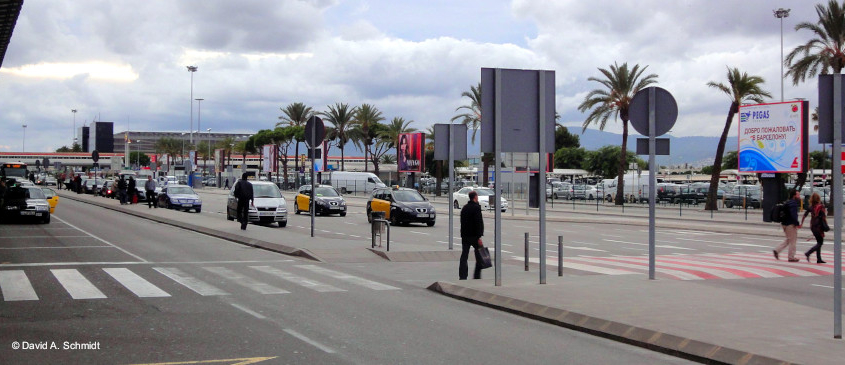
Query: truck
[(347, 181)]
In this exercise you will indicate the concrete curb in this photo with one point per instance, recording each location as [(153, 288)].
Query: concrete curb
[(252, 242), (656, 341), (417, 256)]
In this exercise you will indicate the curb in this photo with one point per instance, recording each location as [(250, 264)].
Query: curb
[(656, 341), (252, 242)]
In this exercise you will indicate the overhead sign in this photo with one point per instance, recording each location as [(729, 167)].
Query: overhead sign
[(441, 141), (773, 137), (665, 111), (410, 152), (315, 126)]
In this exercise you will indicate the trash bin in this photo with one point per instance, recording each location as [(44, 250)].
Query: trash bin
[(377, 215), (377, 227)]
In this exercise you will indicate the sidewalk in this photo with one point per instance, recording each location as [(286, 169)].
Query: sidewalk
[(681, 318)]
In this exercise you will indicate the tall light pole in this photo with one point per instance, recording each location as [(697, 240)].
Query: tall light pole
[(74, 128), (199, 116), (780, 14), (192, 69), (182, 151), (23, 148), (208, 155)]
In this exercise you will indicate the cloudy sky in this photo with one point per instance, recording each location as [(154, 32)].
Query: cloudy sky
[(124, 61)]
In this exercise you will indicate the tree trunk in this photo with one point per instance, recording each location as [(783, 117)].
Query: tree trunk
[(439, 173), (486, 162), (717, 162), (342, 158), (296, 158), (623, 162)]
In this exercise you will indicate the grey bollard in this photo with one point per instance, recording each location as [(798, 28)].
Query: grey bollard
[(559, 255), (526, 251)]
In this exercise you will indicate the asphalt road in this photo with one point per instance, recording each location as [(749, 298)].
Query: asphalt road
[(105, 287)]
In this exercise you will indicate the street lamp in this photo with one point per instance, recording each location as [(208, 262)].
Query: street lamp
[(199, 116), (780, 14), (74, 127), (192, 69), (138, 156), (209, 149), (23, 149)]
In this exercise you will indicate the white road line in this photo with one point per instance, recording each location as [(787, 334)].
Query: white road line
[(585, 243), (135, 283), (714, 246), (309, 341), (190, 282), (825, 286), (77, 285), (758, 263), (255, 285), (140, 263), (16, 286), (581, 267), (682, 275), (663, 263), (583, 248), (41, 248), (350, 223), (25, 237), (675, 247), (248, 311), (427, 234), (721, 242), (102, 240), (350, 278), (352, 235), (299, 280), (630, 243), (755, 271), (611, 235)]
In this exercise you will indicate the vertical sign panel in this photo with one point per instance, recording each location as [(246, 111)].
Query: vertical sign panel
[(772, 137), (410, 152)]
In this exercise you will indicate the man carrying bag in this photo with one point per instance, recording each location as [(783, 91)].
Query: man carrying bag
[(472, 228), (243, 192)]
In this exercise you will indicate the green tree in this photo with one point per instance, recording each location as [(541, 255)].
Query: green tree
[(730, 162), (740, 89), (471, 117), (819, 160), (139, 158), (823, 53), (63, 149), (295, 114), (396, 127), (76, 147), (563, 138), (620, 84), (707, 169), (169, 146), (605, 160), (570, 157), (341, 117), (366, 116)]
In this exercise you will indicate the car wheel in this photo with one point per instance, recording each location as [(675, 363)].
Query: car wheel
[(283, 223), (729, 204), (46, 219), (343, 214), (591, 197), (457, 206), (343, 191), (430, 223), (393, 220), (168, 205), (554, 196), (199, 210)]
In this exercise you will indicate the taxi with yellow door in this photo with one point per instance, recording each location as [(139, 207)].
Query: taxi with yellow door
[(52, 198), (401, 206), (328, 200)]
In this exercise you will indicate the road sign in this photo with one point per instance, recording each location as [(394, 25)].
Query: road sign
[(95, 155), (319, 132), (665, 111)]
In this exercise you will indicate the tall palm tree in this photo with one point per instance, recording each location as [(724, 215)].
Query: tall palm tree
[(341, 116), (396, 127), (825, 52), (620, 86), (741, 88), (472, 116), (295, 114), (365, 115)]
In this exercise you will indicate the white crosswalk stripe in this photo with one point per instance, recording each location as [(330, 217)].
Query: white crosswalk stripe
[(262, 288), (77, 285), (16, 286), (135, 283), (348, 278), (190, 282), (299, 280)]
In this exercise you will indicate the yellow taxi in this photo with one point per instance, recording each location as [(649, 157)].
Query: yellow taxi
[(328, 200), (52, 198), (401, 206)]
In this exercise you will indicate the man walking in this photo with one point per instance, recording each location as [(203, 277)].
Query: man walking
[(150, 188), (790, 227), (472, 228), (121, 190), (243, 192)]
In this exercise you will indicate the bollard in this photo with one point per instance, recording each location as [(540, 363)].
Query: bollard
[(526, 251), (559, 255)]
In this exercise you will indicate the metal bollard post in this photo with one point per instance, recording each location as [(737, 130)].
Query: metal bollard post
[(559, 255), (526, 251)]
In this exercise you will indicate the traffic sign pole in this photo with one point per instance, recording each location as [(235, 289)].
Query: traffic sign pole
[(652, 181), (837, 207)]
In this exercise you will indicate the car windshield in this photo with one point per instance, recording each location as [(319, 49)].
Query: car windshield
[(484, 192), (325, 191), (180, 190), (407, 196), (35, 193), (265, 191)]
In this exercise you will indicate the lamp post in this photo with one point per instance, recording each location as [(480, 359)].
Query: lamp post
[(192, 69), (182, 151), (74, 128), (207, 155), (138, 156), (23, 148), (780, 14), (199, 116)]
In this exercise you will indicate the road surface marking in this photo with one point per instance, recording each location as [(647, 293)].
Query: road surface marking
[(722, 242), (190, 282), (262, 288), (825, 286), (580, 266), (299, 280), (249, 311), (620, 262), (24, 237), (350, 278), (309, 341), (77, 285), (770, 264), (243, 361), (16, 286), (612, 235), (140, 263), (695, 261), (420, 233), (42, 248), (102, 240), (135, 283)]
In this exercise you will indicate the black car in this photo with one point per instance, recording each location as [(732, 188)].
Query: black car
[(743, 196), (25, 202), (401, 206)]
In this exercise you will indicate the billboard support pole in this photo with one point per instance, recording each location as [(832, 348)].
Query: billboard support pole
[(837, 206), (451, 178), (312, 204), (497, 151), (542, 191), (652, 179)]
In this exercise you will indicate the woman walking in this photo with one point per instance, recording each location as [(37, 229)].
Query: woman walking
[(818, 220)]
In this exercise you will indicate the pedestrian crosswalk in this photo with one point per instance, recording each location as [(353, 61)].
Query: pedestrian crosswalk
[(697, 266), (151, 281)]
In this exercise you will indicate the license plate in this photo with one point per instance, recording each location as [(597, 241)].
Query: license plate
[(187, 205), (12, 207), (334, 208), (424, 215), (27, 213), (266, 213)]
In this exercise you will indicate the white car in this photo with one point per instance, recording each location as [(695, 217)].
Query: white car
[(269, 205), (462, 197)]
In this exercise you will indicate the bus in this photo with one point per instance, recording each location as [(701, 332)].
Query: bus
[(13, 170)]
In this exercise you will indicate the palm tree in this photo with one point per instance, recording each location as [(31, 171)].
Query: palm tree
[(472, 119), (168, 146), (365, 115), (741, 89), (620, 86), (295, 114), (396, 127), (341, 116), (226, 145), (825, 52)]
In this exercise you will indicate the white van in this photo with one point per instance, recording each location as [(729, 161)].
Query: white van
[(347, 182), (635, 187)]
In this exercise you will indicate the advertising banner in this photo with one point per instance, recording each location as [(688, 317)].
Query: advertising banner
[(269, 157), (218, 158), (773, 137), (410, 152)]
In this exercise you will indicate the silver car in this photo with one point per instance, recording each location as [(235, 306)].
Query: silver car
[(269, 204)]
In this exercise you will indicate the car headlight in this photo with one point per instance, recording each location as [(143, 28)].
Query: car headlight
[(320, 202), (431, 209), (407, 210), (42, 207)]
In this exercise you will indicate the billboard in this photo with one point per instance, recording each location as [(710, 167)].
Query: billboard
[(410, 152), (269, 153), (773, 137)]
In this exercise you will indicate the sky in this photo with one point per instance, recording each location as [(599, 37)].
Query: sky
[(125, 61)]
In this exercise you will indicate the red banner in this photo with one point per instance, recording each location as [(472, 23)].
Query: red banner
[(410, 152)]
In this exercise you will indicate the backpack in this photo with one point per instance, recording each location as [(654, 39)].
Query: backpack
[(779, 213)]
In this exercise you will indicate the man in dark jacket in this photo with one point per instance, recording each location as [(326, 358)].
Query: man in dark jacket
[(472, 228), (132, 190), (150, 187), (790, 227), (121, 190), (243, 192)]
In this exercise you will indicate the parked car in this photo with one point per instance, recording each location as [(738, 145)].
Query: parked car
[(484, 196), (50, 181), (108, 189), (269, 204), (690, 194), (585, 192), (327, 198), (25, 202), (179, 197), (91, 185), (52, 198), (560, 190), (401, 206), (744, 196)]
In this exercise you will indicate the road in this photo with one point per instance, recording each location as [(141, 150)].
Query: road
[(138, 292)]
